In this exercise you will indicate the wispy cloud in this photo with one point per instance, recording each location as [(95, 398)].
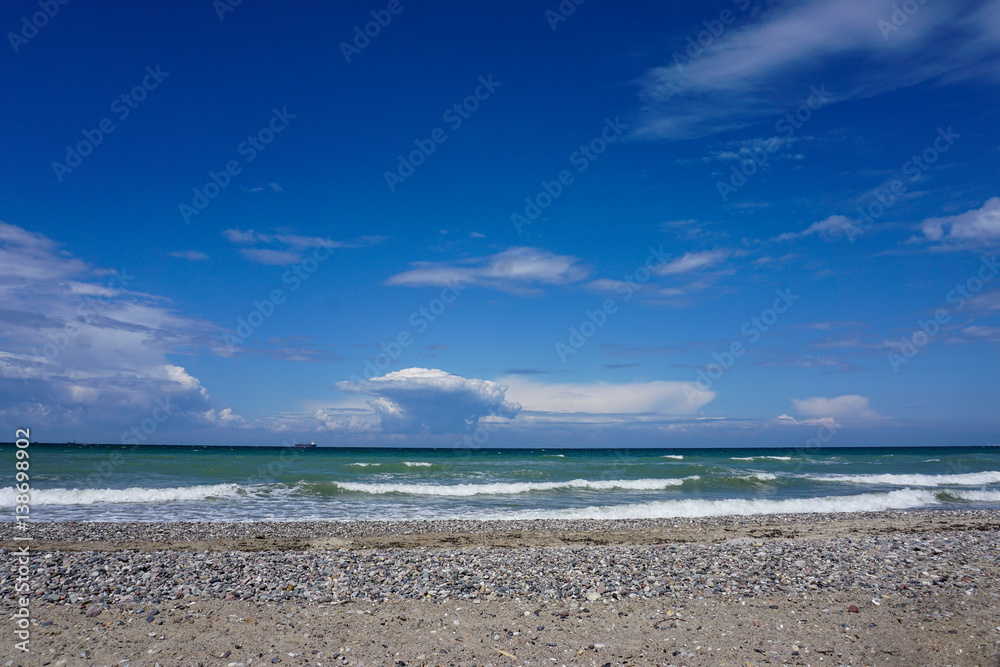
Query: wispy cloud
[(693, 261), (190, 255), (833, 228), (763, 69), (520, 269), (271, 257), (287, 248)]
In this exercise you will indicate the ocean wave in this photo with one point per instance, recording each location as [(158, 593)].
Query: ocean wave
[(761, 476), (672, 456), (133, 494), (866, 502), (757, 458), (417, 464), (971, 478), (980, 496), (508, 488), (362, 464)]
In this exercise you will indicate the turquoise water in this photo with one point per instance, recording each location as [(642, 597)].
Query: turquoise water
[(110, 483)]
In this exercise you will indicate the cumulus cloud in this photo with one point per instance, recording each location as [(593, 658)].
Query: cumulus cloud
[(519, 269), (845, 409), (81, 350), (764, 67), (975, 228), (418, 400)]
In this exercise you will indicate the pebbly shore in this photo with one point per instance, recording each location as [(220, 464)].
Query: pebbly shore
[(142, 583)]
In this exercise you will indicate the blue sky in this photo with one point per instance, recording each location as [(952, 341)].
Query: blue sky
[(720, 224)]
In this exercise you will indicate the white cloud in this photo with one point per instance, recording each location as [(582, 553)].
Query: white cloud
[(752, 149), (987, 333), (287, 248), (82, 350), (972, 229), (190, 255), (602, 398), (271, 257), (693, 261), (417, 400), (518, 269), (832, 228), (223, 417), (844, 409), (764, 68)]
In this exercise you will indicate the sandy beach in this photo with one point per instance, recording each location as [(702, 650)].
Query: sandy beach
[(889, 588)]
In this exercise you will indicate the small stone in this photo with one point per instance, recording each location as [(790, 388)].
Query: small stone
[(853, 609)]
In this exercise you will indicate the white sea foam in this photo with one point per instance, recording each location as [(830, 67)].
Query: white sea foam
[(417, 464), (931, 460), (762, 476), (364, 465), (757, 458), (971, 478), (866, 502), (981, 496), (130, 495), (508, 488), (672, 456)]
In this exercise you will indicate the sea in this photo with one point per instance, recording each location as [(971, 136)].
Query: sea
[(221, 483)]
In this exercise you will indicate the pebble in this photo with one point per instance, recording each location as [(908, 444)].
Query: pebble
[(734, 569)]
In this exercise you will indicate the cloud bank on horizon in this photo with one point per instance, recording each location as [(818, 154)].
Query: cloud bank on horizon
[(840, 153)]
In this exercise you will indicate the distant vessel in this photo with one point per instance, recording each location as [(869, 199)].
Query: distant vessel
[(305, 445)]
